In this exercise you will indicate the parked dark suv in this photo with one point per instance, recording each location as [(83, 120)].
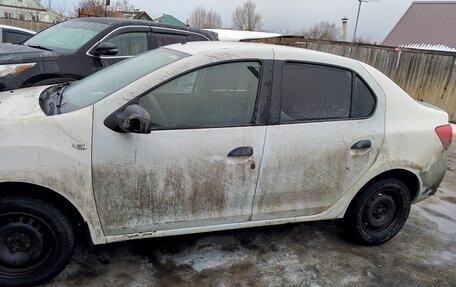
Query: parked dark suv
[(76, 48)]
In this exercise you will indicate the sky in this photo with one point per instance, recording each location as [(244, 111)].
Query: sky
[(377, 17)]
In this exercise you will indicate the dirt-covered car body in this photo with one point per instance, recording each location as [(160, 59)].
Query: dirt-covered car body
[(222, 136)]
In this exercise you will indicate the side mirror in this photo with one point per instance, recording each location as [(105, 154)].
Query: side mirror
[(106, 49), (132, 119)]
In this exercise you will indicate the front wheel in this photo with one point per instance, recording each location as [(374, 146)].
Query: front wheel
[(378, 213), (36, 241)]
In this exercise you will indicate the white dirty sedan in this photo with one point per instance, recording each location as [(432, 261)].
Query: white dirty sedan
[(201, 137)]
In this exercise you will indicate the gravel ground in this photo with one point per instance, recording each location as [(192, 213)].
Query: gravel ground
[(307, 254)]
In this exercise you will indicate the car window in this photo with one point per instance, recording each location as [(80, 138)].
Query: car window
[(363, 102), (198, 37), (67, 36), (131, 43), (163, 39), (109, 80), (312, 92), (10, 36), (215, 96), (183, 84)]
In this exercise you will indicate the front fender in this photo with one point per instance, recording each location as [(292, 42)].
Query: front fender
[(55, 153)]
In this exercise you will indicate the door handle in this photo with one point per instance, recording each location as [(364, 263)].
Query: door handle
[(364, 144), (241, 151)]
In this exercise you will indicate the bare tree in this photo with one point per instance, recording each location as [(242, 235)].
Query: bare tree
[(362, 40), (97, 8), (122, 5), (91, 8), (322, 31), (205, 19), (245, 17)]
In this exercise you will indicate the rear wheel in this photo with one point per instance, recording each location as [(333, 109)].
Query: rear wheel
[(378, 213), (36, 241)]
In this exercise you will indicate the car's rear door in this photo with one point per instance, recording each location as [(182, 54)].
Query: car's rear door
[(327, 130), (199, 165), (161, 36)]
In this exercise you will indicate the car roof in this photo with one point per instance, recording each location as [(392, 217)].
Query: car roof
[(118, 22), (17, 29), (280, 52)]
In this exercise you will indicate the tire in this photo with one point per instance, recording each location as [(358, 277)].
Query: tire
[(36, 241), (378, 213)]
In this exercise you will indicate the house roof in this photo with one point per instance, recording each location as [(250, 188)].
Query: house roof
[(425, 23), (136, 15), (143, 15), (99, 11), (24, 4), (169, 19)]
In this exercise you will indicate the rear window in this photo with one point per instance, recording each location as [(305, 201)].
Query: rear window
[(316, 92)]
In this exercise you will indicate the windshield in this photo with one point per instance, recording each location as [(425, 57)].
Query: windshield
[(67, 36), (107, 81)]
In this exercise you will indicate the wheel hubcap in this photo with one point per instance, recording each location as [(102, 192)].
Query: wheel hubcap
[(26, 242), (18, 242)]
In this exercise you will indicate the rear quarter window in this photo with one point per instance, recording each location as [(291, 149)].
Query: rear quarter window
[(198, 37), (363, 102), (10, 36), (163, 39)]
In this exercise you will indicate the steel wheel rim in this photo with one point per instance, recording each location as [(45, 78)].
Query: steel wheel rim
[(26, 244), (381, 212)]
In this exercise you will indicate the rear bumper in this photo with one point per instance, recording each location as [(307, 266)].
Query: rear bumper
[(431, 178)]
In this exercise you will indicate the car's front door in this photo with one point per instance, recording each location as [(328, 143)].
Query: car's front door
[(329, 130), (199, 165), (130, 41)]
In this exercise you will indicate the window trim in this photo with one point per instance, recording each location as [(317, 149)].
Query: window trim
[(177, 31), (276, 101), (259, 115)]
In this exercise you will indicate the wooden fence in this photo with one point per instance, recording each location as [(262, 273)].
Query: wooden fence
[(428, 76), (29, 25)]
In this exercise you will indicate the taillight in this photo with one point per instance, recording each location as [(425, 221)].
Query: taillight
[(445, 134)]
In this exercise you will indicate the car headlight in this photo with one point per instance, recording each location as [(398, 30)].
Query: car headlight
[(6, 70)]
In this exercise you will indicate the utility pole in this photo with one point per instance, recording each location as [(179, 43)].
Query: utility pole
[(357, 18)]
